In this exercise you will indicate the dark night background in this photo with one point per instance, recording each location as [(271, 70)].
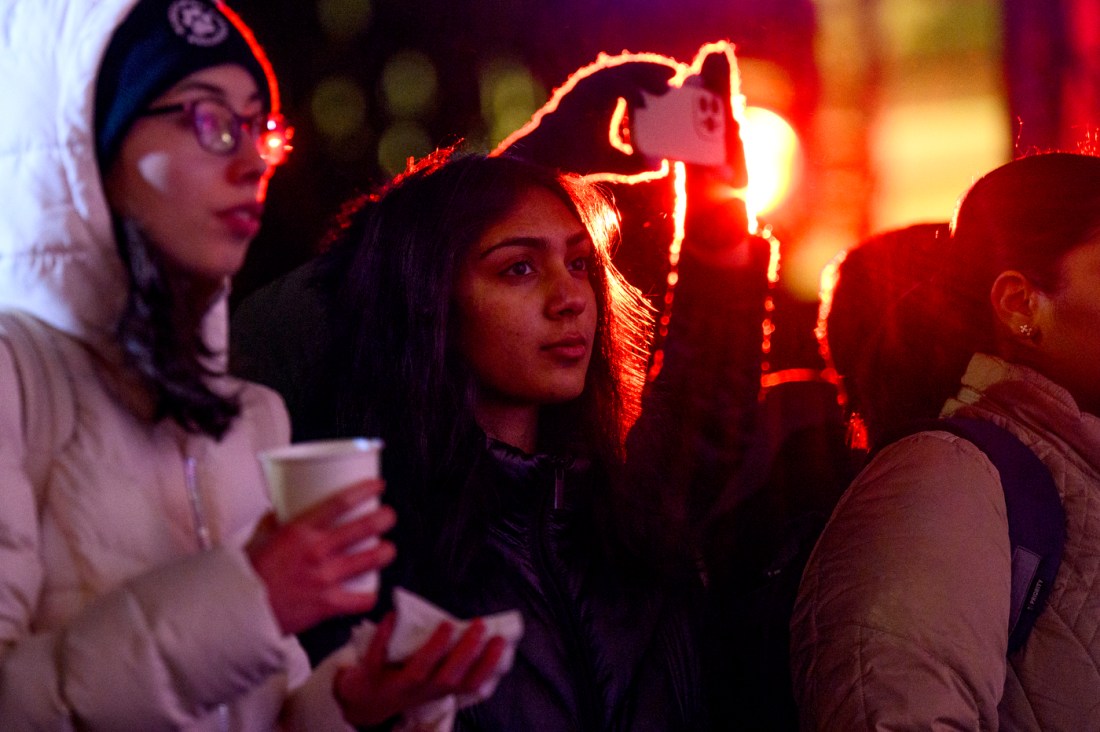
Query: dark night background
[(551, 39), (831, 68)]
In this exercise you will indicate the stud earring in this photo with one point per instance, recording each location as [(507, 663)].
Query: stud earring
[(1028, 331)]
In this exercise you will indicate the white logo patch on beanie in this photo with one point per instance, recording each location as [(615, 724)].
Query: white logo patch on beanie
[(197, 23)]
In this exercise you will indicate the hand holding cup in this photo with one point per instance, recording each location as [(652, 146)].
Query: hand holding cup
[(320, 557)]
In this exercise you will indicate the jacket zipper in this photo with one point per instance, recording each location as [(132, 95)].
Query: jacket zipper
[(194, 499), (205, 541), (574, 639)]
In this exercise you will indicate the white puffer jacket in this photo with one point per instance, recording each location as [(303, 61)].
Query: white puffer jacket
[(902, 617), (112, 616)]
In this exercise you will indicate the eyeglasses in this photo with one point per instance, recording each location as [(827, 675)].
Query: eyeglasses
[(218, 129)]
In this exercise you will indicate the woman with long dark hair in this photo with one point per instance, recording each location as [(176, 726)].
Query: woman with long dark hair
[(481, 330), (903, 616)]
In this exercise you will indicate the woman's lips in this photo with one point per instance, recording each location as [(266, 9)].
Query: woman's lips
[(243, 222), (572, 348)]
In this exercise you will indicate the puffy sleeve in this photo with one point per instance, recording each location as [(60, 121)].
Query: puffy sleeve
[(21, 572), (160, 651), (902, 616)]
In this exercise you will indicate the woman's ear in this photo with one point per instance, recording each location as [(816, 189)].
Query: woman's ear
[(1017, 305)]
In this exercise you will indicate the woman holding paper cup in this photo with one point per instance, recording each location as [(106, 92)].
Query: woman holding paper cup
[(136, 142), (482, 332)]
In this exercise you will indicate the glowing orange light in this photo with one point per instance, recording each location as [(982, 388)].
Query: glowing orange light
[(830, 276), (771, 156), (679, 212), (620, 131), (773, 254), (788, 376), (631, 179), (679, 217), (767, 327)]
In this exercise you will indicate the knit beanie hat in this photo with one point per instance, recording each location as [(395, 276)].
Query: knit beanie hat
[(159, 43)]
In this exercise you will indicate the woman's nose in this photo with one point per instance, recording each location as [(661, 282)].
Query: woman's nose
[(568, 293), (247, 166)]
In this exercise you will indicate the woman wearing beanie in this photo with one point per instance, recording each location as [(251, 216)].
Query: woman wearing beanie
[(136, 592)]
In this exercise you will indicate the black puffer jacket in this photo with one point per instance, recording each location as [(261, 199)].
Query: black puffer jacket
[(598, 652)]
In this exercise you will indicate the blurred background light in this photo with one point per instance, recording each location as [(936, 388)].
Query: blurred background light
[(509, 96), (399, 142), (928, 152), (339, 107), (772, 158), (766, 83), (895, 106), (409, 84), (343, 19)]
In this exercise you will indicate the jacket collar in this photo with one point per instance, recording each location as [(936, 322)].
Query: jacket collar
[(1011, 393), (520, 465)]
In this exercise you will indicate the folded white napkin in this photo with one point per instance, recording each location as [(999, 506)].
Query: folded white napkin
[(417, 619)]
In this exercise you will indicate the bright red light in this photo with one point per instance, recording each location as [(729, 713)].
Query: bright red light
[(257, 51), (275, 142), (272, 84)]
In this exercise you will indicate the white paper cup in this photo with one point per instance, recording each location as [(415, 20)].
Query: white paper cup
[(302, 475)]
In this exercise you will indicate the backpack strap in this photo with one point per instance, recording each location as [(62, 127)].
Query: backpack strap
[(1036, 519), (48, 397)]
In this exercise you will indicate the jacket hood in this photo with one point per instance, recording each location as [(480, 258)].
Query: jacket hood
[(58, 259), (58, 256)]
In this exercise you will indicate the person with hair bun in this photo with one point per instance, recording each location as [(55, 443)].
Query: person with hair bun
[(874, 278), (902, 620)]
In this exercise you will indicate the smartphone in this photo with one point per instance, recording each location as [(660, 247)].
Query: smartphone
[(686, 123)]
